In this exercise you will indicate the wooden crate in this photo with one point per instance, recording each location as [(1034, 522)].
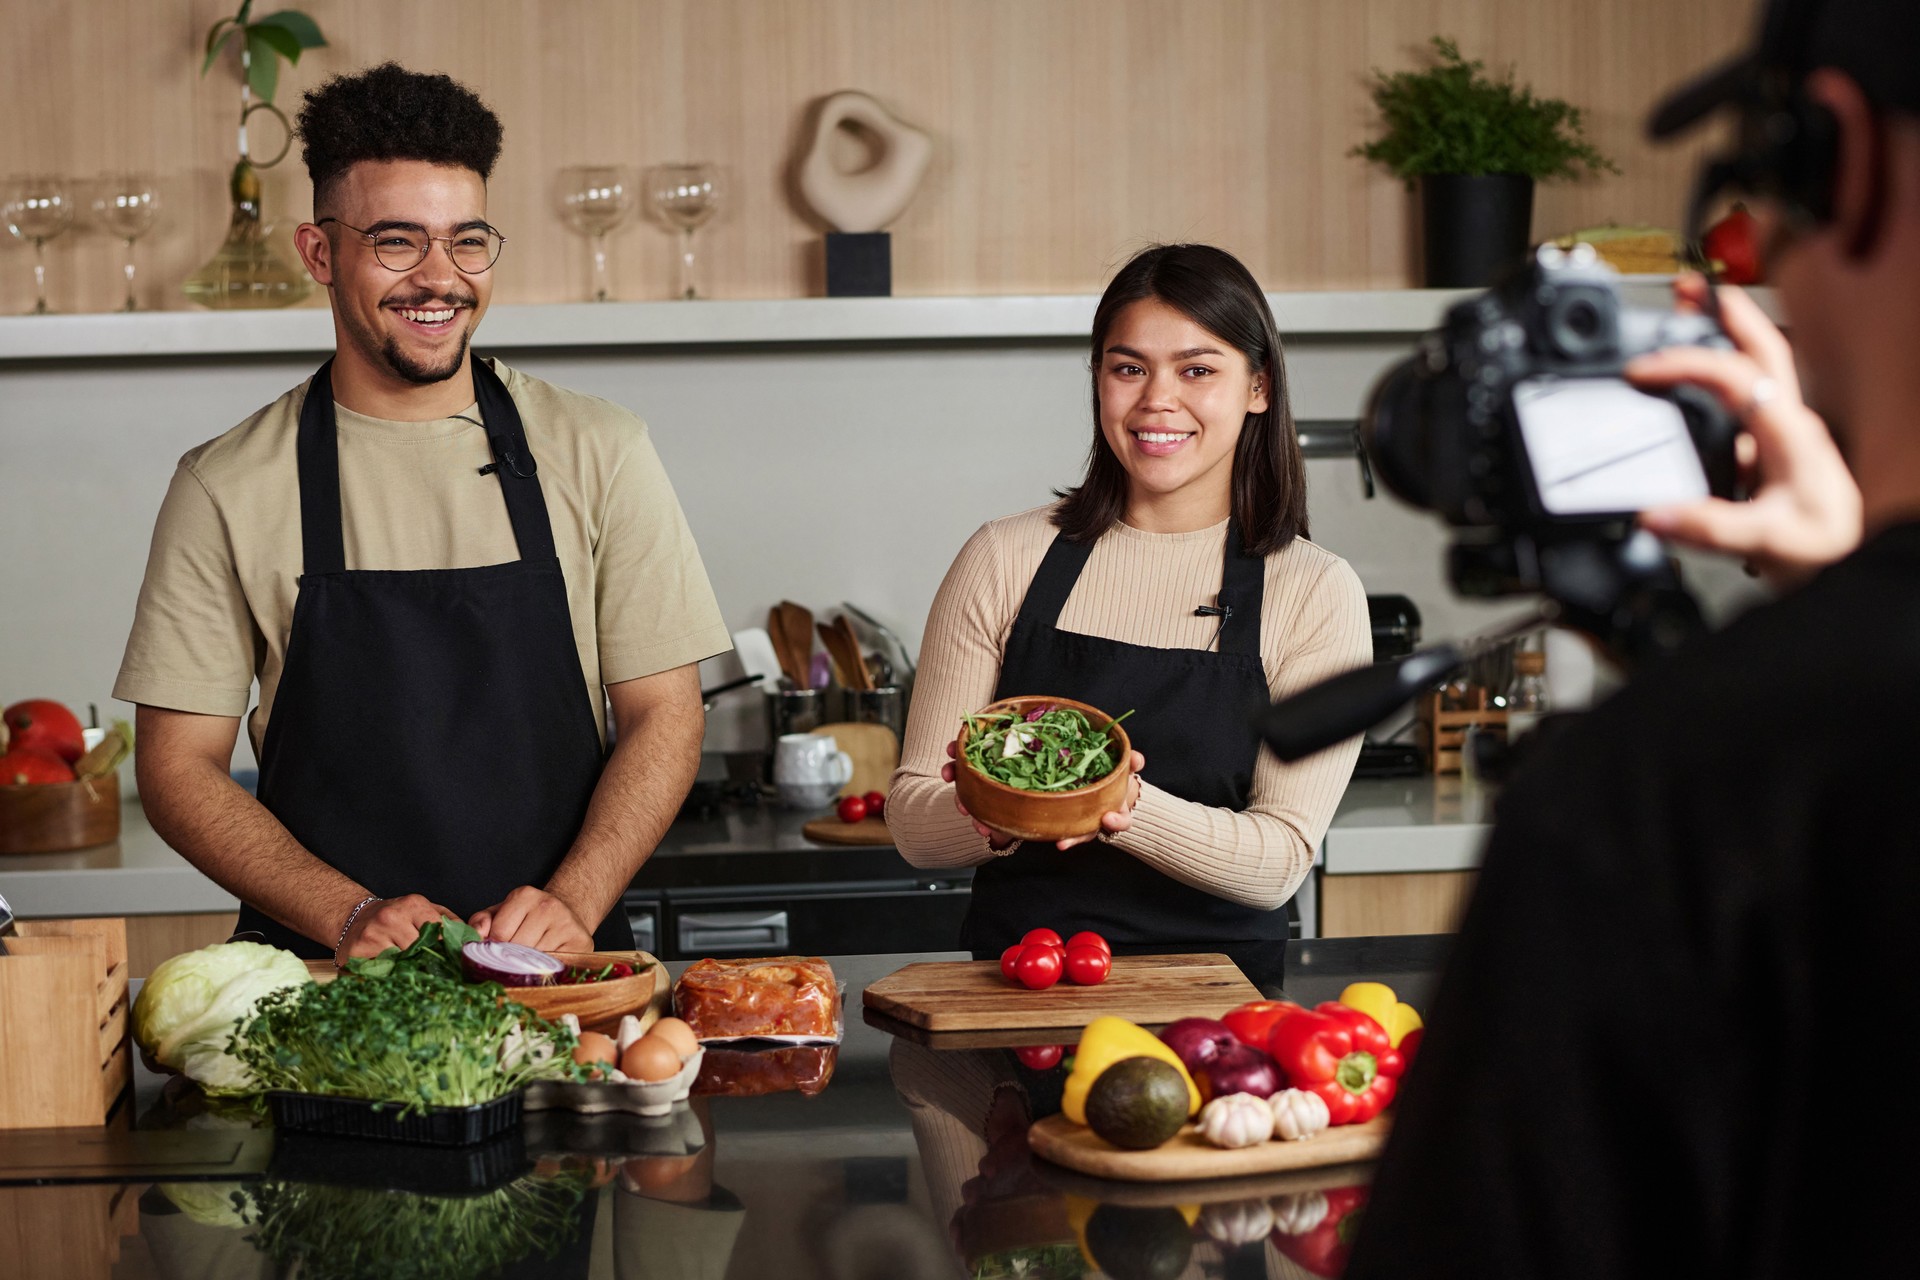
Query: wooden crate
[(1440, 733), (65, 1054)]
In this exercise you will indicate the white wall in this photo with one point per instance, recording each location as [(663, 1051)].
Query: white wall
[(816, 474)]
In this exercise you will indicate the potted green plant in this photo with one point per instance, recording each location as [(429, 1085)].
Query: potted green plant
[(1475, 146), (247, 270)]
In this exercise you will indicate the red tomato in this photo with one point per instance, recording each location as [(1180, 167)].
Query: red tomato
[(1040, 1057), (876, 804), (851, 809), (1087, 938), (27, 765), (1088, 966), (1037, 967), (44, 725), (1007, 958), (1048, 936)]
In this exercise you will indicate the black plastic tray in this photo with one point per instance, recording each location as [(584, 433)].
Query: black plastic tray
[(382, 1121)]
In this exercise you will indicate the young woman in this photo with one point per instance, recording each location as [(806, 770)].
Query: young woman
[(1175, 581)]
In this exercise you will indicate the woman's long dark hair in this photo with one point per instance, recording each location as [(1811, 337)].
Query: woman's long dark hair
[(1214, 290)]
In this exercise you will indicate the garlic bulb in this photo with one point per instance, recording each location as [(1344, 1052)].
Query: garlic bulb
[(1237, 1222), (1236, 1120), (1298, 1114), (1297, 1214)]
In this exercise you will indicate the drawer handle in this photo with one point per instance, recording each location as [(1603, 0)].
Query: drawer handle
[(733, 931)]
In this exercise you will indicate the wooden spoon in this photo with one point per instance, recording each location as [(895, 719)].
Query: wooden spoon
[(796, 621), (846, 661)]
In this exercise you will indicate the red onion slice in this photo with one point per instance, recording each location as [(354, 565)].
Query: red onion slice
[(509, 963)]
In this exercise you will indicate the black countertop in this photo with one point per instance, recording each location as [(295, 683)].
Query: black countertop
[(911, 1162)]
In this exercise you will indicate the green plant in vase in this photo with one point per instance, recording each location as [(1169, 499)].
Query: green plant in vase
[(248, 270), (1475, 147)]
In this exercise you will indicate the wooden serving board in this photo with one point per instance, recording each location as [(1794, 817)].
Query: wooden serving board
[(874, 749), (970, 995), (872, 831), (1187, 1156)]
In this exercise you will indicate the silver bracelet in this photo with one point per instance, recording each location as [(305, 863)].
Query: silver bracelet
[(347, 928), (996, 850)]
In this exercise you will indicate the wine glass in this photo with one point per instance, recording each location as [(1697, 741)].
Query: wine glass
[(684, 196), (36, 209), (594, 199), (125, 206)]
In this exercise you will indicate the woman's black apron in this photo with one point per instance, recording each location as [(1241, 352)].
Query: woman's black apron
[(432, 732), (1193, 718)]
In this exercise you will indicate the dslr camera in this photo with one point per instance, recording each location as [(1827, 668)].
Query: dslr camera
[(1513, 423)]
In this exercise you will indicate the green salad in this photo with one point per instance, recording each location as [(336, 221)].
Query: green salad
[(1046, 748)]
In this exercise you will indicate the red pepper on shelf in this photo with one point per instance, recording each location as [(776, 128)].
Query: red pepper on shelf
[(1253, 1023), (1344, 1057)]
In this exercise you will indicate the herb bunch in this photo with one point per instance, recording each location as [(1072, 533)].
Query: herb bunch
[(413, 1037), (1056, 748), (1452, 118)]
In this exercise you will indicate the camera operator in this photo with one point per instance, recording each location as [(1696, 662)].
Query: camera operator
[(1667, 1038)]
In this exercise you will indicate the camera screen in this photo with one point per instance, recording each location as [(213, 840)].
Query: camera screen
[(1599, 446)]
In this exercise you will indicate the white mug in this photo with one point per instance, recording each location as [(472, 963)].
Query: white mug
[(809, 770)]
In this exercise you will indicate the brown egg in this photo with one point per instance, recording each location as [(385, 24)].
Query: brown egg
[(595, 1049), (650, 1058), (679, 1035)]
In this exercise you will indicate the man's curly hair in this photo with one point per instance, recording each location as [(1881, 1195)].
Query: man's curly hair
[(391, 113)]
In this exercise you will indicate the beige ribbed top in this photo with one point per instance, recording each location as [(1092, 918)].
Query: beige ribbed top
[(1141, 588)]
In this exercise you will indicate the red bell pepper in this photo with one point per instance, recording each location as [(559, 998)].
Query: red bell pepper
[(1252, 1023), (1410, 1046), (1325, 1249), (1344, 1057)]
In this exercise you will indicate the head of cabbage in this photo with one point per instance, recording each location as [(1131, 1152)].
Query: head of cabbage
[(187, 1008)]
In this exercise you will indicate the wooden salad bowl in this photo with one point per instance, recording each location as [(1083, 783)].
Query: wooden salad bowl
[(594, 1003), (1044, 815)]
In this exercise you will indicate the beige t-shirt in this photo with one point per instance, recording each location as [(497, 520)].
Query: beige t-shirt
[(1141, 588), (217, 602)]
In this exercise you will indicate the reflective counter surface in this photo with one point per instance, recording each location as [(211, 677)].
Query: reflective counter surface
[(912, 1161)]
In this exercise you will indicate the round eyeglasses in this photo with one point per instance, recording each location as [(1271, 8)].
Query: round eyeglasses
[(402, 246)]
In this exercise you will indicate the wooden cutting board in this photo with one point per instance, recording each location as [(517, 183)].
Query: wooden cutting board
[(970, 995), (875, 751), (871, 832), (1187, 1155)]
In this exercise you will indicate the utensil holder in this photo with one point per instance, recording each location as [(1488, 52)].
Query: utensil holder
[(794, 711), (1441, 733), (65, 1057), (886, 705)]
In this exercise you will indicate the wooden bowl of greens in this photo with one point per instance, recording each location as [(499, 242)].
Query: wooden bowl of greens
[(1042, 768)]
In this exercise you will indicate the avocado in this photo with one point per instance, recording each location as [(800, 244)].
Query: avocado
[(1139, 1244), (1138, 1103)]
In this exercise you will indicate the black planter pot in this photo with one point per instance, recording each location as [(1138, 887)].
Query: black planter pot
[(1476, 226)]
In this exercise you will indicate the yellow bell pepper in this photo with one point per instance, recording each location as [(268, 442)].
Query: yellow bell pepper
[(1106, 1041), (1377, 1001)]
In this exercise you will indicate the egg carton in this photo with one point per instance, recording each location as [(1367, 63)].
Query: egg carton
[(616, 1092)]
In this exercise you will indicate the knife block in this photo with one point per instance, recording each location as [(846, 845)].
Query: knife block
[(1440, 734), (65, 1056)]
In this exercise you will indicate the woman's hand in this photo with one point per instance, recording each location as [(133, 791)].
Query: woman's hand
[(1805, 511), (1111, 823)]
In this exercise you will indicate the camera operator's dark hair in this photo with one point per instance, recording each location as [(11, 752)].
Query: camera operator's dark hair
[(390, 113), (1213, 289)]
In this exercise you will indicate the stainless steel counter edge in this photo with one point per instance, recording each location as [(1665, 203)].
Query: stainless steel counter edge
[(1383, 826)]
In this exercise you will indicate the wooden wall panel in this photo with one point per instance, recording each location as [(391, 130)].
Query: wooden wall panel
[(1070, 132), (1369, 906)]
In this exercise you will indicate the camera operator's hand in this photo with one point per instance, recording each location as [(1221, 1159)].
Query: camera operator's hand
[(1804, 512)]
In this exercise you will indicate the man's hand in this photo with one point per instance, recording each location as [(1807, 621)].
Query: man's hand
[(1805, 512), (389, 922), (1112, 823), (534, 918)]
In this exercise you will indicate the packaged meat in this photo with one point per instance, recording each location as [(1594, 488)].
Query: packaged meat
[(787, 997), (743, 1073)]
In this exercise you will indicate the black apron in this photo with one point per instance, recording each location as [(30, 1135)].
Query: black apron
[(1193, 718), (432, 732)]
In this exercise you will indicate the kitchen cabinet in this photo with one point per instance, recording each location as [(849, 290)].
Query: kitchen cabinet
[(1367, 906)]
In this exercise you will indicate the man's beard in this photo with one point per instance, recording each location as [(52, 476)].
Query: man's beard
[(403, 366)]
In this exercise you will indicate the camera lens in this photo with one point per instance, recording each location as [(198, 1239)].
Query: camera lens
[(1582, 323), (1394, 430)]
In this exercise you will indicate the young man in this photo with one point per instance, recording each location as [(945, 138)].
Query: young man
[(432, 564), (1666, 1040)]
